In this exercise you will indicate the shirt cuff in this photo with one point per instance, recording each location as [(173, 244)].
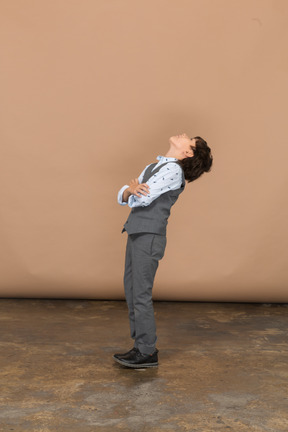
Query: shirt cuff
[(131, 200), (134, 201), (120, 195)]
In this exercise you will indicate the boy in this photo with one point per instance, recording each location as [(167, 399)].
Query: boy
[(151, 197)]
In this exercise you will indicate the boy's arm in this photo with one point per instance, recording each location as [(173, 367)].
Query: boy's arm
[(124, 194), (167, 178), (136, 189), (120, 196)]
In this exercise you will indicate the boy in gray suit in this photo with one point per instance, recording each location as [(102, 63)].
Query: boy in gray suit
[(151, 197)]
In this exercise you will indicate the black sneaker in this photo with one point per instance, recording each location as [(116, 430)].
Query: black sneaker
[(138, 360), (125, 354)]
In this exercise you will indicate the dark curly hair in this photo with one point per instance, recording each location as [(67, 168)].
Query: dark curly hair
[(199, 163)]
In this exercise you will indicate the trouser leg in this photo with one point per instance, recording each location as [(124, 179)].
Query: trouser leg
[(147, 250), (128, 287)]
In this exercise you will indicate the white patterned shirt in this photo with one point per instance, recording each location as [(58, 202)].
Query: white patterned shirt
[(167, 178)]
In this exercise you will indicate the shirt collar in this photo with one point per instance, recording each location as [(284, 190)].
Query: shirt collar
[(166, 159)]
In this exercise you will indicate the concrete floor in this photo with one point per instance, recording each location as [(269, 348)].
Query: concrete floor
[(222, 367)]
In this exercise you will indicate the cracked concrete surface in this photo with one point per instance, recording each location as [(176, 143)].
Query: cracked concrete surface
[(222, 367)]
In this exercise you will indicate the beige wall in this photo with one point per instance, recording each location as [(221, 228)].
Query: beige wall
[(91, 92)]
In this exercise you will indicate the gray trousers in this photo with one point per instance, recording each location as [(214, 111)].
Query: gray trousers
[(143, 251)]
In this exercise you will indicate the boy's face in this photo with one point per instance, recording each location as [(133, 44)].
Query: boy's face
[(182, 145)]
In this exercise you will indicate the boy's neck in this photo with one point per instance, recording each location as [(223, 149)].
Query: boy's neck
[(171, 153)]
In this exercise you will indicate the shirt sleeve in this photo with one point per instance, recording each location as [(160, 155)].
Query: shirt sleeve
[(167, 178)]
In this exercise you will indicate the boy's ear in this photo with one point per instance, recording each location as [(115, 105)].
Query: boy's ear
[(189, 153)]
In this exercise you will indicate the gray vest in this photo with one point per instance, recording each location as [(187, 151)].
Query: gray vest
[(154, 217)]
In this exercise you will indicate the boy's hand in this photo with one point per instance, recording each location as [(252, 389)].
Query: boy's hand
[(137, 189)]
